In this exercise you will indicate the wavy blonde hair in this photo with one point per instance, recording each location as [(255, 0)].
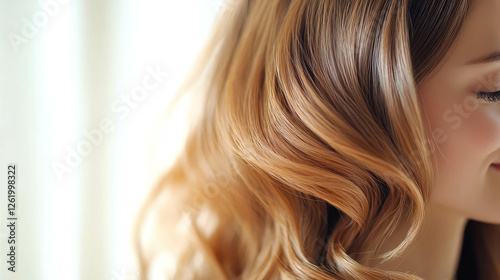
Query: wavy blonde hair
[(307, 147)]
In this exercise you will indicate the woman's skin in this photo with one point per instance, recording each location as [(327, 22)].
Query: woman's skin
[(467, 135)]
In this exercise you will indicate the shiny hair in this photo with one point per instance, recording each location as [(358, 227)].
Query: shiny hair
[(307, 147)]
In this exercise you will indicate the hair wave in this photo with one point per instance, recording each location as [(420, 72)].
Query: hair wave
[(308, 147)]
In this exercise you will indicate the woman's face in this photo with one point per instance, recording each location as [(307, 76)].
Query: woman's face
[(467, 129)]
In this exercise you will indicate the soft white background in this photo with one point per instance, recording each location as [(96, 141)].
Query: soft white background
[(70, 72)]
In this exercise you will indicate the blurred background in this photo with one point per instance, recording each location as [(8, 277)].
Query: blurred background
[(84, 86)]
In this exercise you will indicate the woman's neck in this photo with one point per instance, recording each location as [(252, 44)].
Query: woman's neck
[(435, 253)]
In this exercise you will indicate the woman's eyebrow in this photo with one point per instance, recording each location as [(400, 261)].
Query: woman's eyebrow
[(491, 57)]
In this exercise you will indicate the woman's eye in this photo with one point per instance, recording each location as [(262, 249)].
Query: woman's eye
[(489, 96)]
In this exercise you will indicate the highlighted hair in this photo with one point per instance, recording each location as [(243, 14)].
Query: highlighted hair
[(308, 147)]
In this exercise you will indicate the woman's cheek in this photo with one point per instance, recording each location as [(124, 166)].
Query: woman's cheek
[(469, 136), (492, 115), (481, 132)]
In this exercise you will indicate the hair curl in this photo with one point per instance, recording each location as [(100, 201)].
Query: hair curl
[(308, 147)]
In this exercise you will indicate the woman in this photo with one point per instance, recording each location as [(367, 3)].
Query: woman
[(338, 140)]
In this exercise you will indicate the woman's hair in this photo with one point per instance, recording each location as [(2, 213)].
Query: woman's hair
[(307, 147)]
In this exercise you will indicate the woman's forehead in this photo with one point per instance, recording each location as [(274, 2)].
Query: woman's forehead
[(479, 38)]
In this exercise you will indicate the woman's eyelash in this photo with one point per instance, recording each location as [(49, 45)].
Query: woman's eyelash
[(489, 96)]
